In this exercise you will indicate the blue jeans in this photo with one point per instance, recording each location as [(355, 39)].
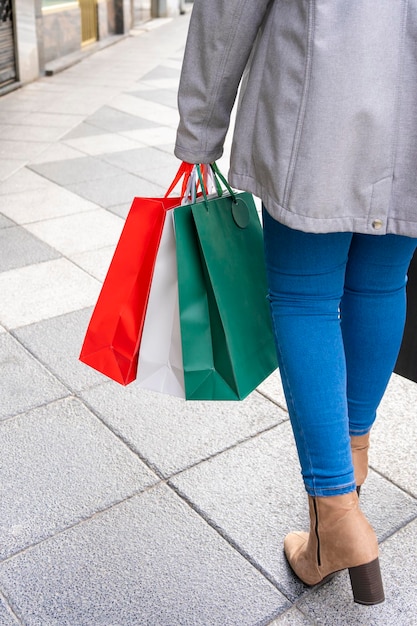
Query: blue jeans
[(338, 307)]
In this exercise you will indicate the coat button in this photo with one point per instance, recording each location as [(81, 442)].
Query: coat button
[(377, 224)]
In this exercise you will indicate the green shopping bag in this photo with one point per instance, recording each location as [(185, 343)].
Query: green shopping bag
[(228, 346)]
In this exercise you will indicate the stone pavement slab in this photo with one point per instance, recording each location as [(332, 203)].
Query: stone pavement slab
[(60, 472), (42, 203), (73, 234), (56, 343), (172, 434), (24, 382), (394, 435), (254, 495), (36, 292), (150, 560), (20, 248), (6, 617), (293, 617)]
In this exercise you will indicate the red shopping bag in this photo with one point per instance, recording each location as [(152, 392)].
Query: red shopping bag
[(112, 340)]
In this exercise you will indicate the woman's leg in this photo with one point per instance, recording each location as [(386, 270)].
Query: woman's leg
[(373, 311), (306, 274)]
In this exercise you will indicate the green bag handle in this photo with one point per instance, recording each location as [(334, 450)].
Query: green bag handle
[(217, 174)]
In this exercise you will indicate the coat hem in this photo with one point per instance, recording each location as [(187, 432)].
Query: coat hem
[(319, 225)]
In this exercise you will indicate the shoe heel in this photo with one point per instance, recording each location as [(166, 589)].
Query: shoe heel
[(366, 583)]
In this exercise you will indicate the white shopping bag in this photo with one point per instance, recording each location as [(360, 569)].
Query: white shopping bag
[(160, 365)]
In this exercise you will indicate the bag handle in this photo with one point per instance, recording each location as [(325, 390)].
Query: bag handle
[(216, 175), (184, 171)]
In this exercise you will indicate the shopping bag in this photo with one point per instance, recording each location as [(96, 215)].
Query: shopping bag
[(113, 336), (228, 345), (160, 366)]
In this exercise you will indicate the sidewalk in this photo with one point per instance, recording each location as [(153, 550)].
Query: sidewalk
[(120, 507)]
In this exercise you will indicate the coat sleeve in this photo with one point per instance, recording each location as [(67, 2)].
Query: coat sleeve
[(220, 39)]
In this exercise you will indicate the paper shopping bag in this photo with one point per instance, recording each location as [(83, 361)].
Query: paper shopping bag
[(160, 366), (112, 340), (228, 345)]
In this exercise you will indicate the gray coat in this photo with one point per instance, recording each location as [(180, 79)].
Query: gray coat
[(326, 128)]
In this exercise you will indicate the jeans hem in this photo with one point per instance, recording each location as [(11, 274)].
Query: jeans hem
[(324, 492)]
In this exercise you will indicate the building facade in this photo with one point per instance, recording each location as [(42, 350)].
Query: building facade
[(38, 34)]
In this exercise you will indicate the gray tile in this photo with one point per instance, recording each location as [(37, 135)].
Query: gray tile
[(393, 451), (57, 343), (150, 560), (6, 617), (121, 209), (72, 171), (293, 617), (332, 604), (254, 494), (82, 130), (37, 292), (111, 120), (5, 222), (161, 71), (387, 507), (116, 190), (173, 434), (24, 383), (73, 234), (60, 465), (21, 150), (140, 160), (272, 388), (162, 96), (18, 248)]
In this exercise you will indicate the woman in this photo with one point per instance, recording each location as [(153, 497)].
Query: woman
[(326, 136)]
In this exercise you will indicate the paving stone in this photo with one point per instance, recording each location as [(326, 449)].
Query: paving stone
[(162, 71), (116, 190), (10, 166), (21, 150), (332, 604), (115, 121), (5, 222), (73, 234), (57, 152), (61, 465), (394, 435), (272, 388), (254, 494), (140, 160), (167, 97), (29, 132), (152, 111), (153, 136), (293, 617), (6, 617), (57, 344), (18, 248), (84, 129), (37, 292), (75, 170), (95, 262), (173, 434), (150, 560), (22, 180), (47, 202), (105, 142), (24, 383)]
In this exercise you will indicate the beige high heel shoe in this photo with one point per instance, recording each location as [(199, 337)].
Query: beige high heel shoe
[(360, 446), (340, 538)]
